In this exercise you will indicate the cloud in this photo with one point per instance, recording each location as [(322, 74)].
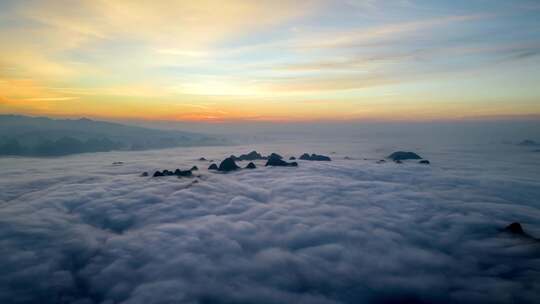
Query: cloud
[(124, 57), (51, 98), (376, 35), (77, 229), (329, 83), (174, 26)]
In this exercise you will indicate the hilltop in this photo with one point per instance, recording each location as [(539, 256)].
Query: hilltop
[(42, 136)]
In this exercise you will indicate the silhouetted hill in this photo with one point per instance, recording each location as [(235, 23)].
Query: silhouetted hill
[(41, 136)]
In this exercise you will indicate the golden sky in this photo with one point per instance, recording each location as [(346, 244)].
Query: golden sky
[(270, 60)]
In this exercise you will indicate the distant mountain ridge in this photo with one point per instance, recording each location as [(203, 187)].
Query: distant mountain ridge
[(42, 136)]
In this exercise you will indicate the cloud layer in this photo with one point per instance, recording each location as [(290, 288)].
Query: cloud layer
[(80, 230)]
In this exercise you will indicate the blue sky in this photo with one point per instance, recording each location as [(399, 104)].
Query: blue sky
[(270, 60)]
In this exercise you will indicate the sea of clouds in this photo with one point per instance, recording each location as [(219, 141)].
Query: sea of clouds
[(79, 229)]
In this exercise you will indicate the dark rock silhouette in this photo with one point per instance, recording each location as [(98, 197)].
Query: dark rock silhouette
[(381, 161), (402, 155), (118, 163), (194, 168), (186, 173), (347, 158), (292, 158), (166, 172), (315, 157), (275, 160), (304, 156), (253, 155), (529, 143), (179, 172), (424, 162), (515, 228), (202, 159), (144, 174), (251, 166), (397, 161), (227, 165), (213, 167), (274, 155)]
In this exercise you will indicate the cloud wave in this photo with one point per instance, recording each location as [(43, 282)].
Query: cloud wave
[(79, 230)]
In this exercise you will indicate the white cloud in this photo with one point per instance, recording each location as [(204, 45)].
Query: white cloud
[(77, 229)]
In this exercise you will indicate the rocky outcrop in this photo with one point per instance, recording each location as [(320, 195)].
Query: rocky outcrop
[(424, 162), (275, 155), (276, 161), (167, 173), (304, 156), (177, 172), (228, 165), (315, 157), (213, 167), (251, 166), (182, 173), (529, 143), (402, 155), (514, 228), (253, 155)]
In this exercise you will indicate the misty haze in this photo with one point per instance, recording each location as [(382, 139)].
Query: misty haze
[(269, 152)]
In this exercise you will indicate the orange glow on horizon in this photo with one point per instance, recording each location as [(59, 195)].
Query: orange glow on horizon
[(266, 61)]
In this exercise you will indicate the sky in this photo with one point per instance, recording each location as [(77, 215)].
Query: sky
[(271, 61)]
